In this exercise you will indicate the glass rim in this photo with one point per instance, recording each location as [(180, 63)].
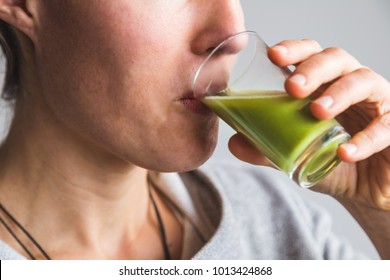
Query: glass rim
[(218, 47)]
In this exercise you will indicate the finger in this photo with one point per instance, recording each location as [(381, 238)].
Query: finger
[(291, 52), (320, 69), (244, 151), (373, 139), (360, 85)]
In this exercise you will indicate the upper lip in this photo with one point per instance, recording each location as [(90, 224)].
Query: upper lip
[(187, 95)]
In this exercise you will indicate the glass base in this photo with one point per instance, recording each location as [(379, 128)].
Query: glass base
[(320, 158)]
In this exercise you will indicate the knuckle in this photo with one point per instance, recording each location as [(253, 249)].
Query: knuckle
[(288, 43), (307, 44), (367, 73), (313, 43), (309, 66), (285, 42), (381, 198), (336, 52), (384, 120), (368, 140), (343, 86)]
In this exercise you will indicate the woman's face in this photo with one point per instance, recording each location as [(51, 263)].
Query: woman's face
[(119, 73)]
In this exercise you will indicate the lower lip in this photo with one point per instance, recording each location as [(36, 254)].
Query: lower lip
[(196, 106)]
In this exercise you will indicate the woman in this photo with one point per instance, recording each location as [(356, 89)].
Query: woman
[(104, 119)]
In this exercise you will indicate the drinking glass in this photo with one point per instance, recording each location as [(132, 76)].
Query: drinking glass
[(246, 90)]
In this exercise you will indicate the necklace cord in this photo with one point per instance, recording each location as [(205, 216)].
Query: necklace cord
[(17, 239), (167, 254), (25, 232)]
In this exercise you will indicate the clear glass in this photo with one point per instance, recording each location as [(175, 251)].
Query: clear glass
[(245, 89)]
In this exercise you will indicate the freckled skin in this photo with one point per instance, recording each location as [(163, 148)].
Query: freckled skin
[(125, 73)]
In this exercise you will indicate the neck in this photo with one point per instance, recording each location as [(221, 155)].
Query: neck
[(86, 188)]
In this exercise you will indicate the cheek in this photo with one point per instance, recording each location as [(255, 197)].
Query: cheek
[(122, 75), (114, 45)]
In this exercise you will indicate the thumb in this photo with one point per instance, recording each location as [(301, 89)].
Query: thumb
[(245, 151)]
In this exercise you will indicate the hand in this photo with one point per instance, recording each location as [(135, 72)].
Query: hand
[(359, 99)]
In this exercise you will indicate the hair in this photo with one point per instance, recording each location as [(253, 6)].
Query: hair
[(9, 45)]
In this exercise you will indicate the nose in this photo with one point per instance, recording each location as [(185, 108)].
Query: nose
[(218, 20)]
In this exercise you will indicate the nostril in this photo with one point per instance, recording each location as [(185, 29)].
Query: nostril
[(210, 50), (231, 45), (218, 19)]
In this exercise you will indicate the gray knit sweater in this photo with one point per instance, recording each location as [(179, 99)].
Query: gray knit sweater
[(249, 213)]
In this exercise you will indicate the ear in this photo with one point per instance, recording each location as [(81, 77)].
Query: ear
[(17, 14)]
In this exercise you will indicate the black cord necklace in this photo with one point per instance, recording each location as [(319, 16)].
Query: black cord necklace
[(43, 252), (164, 240), (18, 240)]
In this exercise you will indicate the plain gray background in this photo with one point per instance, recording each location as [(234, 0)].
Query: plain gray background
[(362, 27), (359, 26)]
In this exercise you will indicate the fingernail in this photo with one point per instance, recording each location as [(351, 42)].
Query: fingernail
[(349, 148), (298, 79), (326, 102), (281, 49)]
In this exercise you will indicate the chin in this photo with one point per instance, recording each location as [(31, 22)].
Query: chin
[(184, 161), (189, 166)]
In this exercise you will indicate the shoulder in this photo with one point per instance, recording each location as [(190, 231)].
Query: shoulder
[(274, 215), (257, 189), (256, 183), (265, 209), (269, 205)]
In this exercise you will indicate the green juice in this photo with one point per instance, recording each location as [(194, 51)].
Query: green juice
[(281, 127)]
